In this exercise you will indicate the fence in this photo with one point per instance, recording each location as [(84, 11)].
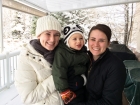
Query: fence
[(8, 64)]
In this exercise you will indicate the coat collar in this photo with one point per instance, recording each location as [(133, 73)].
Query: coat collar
[(32, 54)]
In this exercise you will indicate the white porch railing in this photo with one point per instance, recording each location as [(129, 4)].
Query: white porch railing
[(8, 64)]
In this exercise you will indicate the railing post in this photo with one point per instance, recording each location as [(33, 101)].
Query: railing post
[(8, 69), (7, 66)]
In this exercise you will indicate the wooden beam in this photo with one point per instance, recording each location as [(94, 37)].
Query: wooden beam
[(21, 7)]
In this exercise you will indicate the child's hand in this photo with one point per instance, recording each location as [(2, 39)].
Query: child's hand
[(67, 96), (76, 82)]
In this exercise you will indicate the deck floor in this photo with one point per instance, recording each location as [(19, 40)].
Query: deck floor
[(10, 97)]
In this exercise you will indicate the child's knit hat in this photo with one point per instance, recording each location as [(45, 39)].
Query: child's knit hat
[(69, 30)]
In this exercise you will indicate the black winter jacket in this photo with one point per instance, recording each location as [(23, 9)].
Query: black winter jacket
[(106, 79)]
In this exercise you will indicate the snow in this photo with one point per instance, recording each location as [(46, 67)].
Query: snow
[(110, 15), (10, 97), (13, 44)]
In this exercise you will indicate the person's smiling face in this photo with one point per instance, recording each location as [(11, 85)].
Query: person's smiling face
[(97, 43), (49, 39)]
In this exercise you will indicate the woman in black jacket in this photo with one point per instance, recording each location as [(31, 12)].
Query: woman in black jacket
[(107, 74)]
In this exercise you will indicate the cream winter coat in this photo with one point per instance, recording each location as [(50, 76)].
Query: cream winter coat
[(33, 79)]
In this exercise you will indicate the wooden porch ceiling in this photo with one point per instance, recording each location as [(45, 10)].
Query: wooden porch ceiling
[(21, 7)]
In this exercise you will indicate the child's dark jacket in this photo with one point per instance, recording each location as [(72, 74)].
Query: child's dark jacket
[(67, 59)]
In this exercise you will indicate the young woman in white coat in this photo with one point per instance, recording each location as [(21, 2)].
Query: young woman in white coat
[(33, 79)]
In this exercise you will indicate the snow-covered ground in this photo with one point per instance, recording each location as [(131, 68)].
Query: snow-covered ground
[(13, 44)]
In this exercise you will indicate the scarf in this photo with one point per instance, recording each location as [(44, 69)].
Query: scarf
[(48, 55)]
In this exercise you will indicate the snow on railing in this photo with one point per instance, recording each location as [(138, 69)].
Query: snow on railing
[(8, 65)]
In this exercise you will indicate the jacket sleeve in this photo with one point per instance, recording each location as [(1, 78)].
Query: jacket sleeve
[(30, 90), (59, 71)]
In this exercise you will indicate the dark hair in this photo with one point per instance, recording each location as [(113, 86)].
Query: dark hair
[(104, 28)]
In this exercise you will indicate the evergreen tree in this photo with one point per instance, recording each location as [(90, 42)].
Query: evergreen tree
[(18, 27), (33, 28)]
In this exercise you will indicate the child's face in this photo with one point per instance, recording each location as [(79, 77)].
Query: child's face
[(76, 41)]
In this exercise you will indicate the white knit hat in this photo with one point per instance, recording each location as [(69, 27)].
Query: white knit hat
[(69, 30), (47, 23)]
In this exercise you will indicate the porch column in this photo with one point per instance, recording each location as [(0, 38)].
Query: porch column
[(1, 28)]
